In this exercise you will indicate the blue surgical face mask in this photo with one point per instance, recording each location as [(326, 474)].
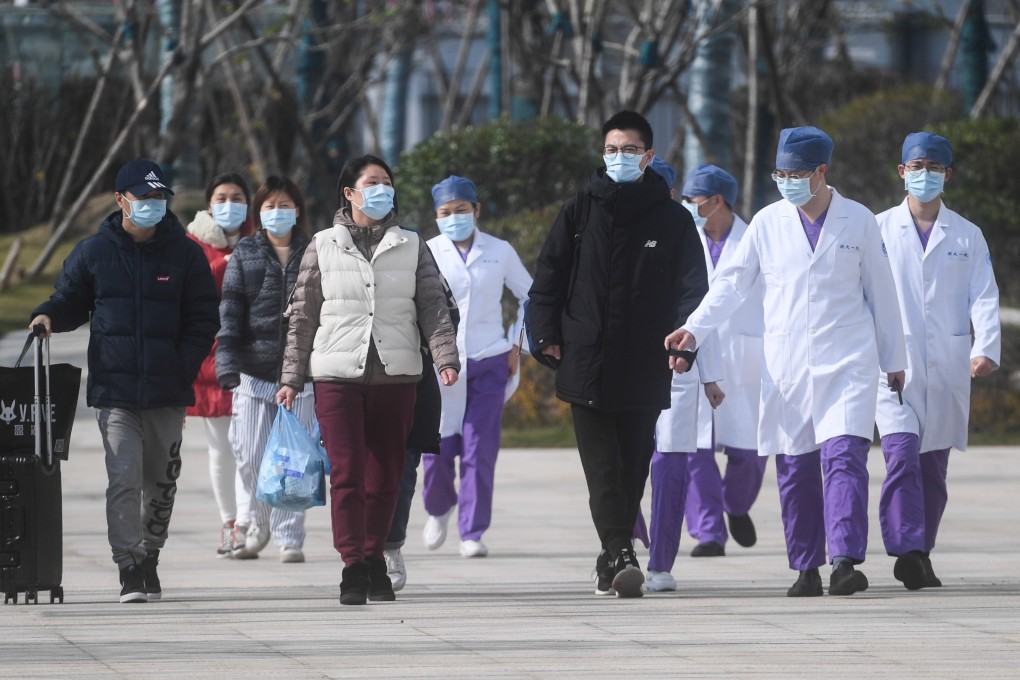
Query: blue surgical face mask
[(623, 169), (278, 221), (229, 216), (146, 213), (457, 227), (796, 191), (378, 201), (924, 185), (699, 221)]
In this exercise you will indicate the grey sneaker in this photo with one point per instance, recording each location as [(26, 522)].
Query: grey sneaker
[(395, 568), (226, 548)]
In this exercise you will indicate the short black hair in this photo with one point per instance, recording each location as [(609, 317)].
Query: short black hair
[(350, 173), (629, 120), (226, 178)]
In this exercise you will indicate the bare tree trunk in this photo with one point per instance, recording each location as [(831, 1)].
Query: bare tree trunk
[(71, 170), (476, 88), (254, 146), (1005, 58), (954, 43), (751, 143), (98, 172), (466, 39)]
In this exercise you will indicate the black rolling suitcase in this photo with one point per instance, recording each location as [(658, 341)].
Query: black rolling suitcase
[(31, 524)]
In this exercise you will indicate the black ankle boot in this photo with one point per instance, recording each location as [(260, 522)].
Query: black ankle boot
[(355, 583), (380, 587)]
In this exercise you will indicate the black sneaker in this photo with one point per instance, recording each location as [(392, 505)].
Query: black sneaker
[(742, 530), (845, 580), (808, 584), (933, 581), (132, 581), (355, 583), (380, 587), (152, 588), (603, 574), (910, 570), (709, 549), (628, 579)]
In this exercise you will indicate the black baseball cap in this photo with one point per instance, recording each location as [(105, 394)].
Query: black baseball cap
[(139, 177)]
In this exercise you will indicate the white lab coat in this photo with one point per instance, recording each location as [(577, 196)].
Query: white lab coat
[(941, 291), (740, 344), (830, 318), (477, 286), (676, 430)]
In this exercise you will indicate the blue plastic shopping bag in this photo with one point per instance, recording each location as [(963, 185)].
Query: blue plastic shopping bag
[(293, 471)]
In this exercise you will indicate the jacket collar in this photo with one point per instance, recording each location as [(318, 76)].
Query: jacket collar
[(627, 202), (167, 230), (836, 220)]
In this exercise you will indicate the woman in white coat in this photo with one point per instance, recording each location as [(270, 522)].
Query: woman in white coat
[(944, 283), (478, 267), (829, 320), (710, 192)]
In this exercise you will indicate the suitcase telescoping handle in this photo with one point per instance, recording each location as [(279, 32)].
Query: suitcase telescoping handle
[(42, 405)]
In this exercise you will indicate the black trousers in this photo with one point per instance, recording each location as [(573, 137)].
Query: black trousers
[(616, 449)]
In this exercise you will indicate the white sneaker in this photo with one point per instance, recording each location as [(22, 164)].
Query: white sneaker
[(256, 539), (435, 530), (660, 581), (291, 554), (473, 549), (395, 568)]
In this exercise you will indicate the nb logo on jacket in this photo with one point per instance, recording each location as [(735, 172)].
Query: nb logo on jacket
[(650, 244)]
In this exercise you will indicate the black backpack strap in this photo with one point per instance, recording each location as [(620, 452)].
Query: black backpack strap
[(580, 223)]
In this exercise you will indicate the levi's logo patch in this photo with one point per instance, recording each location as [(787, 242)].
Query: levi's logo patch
[(163, 278)]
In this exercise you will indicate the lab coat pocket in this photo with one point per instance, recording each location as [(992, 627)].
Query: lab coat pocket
[(846, 263), (957, 364)]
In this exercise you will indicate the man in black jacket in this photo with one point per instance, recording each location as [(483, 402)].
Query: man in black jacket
[(621, 264), (153, 306)]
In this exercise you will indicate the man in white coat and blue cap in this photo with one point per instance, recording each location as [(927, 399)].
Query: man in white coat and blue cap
[(710, 193), (944, 284), (829, 321)]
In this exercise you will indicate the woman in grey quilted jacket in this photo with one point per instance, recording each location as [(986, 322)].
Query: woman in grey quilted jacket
[(365, 287), (260, 277)]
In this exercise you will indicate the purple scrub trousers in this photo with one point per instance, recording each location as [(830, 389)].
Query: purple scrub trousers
[(710, 493), (914, 494), (836, 508), (477, 448), (669, 491)]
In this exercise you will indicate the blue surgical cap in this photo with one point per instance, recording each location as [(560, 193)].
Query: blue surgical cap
[(709, 180), (663, 170), (454, 188), (927, 145), (803, 148)]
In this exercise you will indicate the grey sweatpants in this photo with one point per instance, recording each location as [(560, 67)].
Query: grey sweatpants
[(143, 462)]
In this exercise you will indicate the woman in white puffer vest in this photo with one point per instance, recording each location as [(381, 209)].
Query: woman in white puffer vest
[(365, 288)]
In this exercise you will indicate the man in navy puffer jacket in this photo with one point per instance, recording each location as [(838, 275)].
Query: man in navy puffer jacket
[(154, 313)]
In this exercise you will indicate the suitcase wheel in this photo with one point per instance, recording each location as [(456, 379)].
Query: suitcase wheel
[(57, 594), (32, 596), (11, 597)]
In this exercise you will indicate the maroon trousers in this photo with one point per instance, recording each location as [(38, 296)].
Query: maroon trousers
[(364, 428)]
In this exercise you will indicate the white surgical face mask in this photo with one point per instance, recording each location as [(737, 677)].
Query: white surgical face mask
[(378, 201), (693, 208), (229, 216)]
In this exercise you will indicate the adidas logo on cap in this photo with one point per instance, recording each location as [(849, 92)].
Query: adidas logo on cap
[(152, 177)]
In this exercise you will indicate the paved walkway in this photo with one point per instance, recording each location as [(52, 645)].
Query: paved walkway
[(528, 609)]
